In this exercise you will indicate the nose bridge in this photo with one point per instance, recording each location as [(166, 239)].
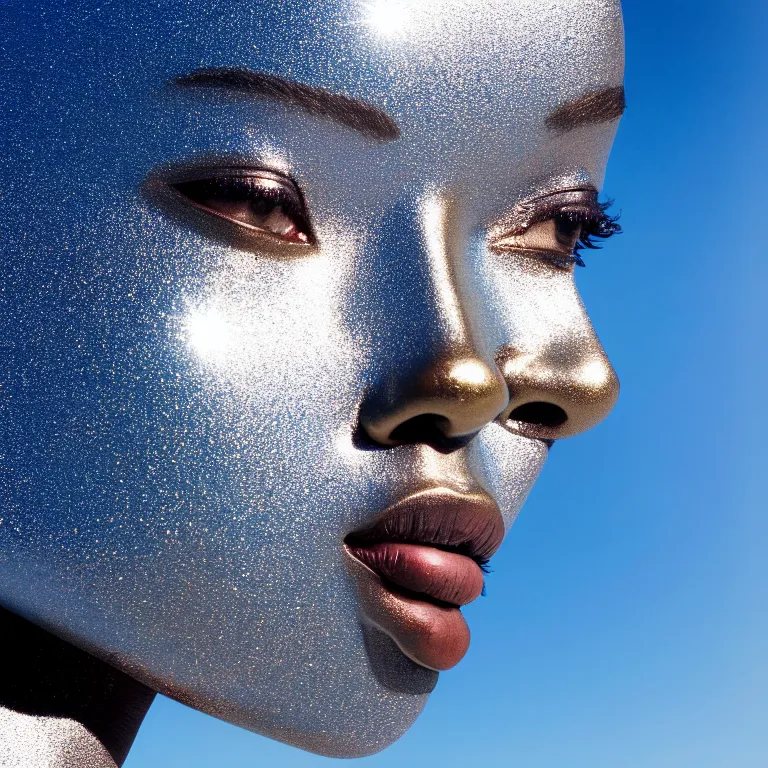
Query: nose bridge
[(444, 245), (420, 281)]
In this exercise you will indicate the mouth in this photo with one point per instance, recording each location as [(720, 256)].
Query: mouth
[(418, 563)]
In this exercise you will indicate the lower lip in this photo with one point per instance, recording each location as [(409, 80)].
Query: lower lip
[(398, 584)]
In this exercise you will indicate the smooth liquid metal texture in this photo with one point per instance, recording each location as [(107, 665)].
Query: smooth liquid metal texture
[(181, 408)]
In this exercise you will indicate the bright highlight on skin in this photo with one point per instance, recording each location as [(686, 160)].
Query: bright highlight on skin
[(386, 18), (470, 372), (594, 374), (207, 332)]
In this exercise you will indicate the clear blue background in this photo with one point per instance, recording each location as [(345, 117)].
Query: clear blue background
[(627, 618)]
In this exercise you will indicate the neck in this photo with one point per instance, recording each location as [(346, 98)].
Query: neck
[(62, 706)]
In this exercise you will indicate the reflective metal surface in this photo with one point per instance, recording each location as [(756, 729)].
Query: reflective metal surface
[(194, 415)]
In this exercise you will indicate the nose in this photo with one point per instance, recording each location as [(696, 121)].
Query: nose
[(443, 387), (444, 402), (560, 389), (548, 394), (441, 384)]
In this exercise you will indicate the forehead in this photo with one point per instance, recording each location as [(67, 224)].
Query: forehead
[(468, 82), (499, 59)]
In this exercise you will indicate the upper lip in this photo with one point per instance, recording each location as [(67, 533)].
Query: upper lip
[(468, 524)]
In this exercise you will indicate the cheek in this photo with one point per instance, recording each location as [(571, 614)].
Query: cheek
[(189, 393), (529, 303), (261, 379), (266, 330)]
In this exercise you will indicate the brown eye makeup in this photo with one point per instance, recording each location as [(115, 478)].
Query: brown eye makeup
[(260, 202), (264, 204), (557, 226)]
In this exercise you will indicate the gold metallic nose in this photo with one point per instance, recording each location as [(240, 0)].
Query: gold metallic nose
[(453, 397), (558, 392)]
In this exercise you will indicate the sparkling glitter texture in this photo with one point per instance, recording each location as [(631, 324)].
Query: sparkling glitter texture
[(48, 742), (178, 463)]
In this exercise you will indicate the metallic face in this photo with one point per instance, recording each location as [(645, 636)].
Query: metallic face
[(240, 318)]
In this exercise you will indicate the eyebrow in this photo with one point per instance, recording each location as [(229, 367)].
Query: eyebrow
[(591, 108), (350, 112)]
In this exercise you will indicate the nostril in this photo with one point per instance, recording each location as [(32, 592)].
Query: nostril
[(540, 414), (427, 428)]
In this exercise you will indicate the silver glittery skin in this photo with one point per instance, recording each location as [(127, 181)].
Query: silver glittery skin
[(27, 741), (177, 461)]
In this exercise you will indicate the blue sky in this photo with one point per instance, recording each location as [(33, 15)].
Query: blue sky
[(627, 615)]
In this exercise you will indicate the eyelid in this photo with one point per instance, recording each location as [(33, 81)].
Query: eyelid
[(576, 205), (218, 169), (249, 234), (532, 211)]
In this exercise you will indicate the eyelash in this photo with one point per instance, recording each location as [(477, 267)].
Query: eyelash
[(255, 188), (596, 223)]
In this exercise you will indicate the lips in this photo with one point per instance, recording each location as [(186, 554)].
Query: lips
[(442, 576), (418, 562)]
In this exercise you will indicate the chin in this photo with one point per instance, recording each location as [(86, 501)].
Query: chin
[(342, 710)]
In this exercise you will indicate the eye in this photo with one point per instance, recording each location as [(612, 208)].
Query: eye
[(261, 202), (558, 226), (558, 235)]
